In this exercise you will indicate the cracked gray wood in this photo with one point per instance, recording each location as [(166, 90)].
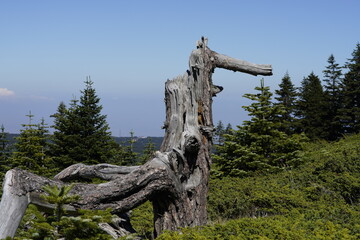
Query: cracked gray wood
[(175, 180)]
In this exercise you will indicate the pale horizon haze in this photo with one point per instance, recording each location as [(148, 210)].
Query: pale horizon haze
[(130, 48)]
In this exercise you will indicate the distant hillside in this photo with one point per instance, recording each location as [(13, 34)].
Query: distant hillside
[(139, 144), (11, 138)]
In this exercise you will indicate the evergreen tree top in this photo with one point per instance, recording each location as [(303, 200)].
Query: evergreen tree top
[(311, 84), (287, 92), (3, 139), (81, 131), (355, 60), (332, 75)]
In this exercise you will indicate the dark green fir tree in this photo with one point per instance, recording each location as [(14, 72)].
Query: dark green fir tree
[(4, 146), (64, 137), (333, 99), (286, 96), (81, 132), (148, 152), (228, 129), (32, 149), (94, 129), (4, 154), (350, 112), (259, 144), (128, 156), (62, 225), (220, 131), (311, 109), (218, 134)]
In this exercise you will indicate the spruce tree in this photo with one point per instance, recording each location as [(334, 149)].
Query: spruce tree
[(259, 144), (286, 96), (130, 156), (4, 146), (31, 149), (4, 154), (94, 130), (332, 79), (350, 112), (63, 138), (228, 129), (311, 108), (148, 152), (81, 131), (219, 132), (62, 225), (123, 153)]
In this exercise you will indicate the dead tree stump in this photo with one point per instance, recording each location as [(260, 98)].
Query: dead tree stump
[(175, 180)]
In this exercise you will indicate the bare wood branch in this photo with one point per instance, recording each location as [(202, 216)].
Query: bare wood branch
[(223, 61), (102, 171)]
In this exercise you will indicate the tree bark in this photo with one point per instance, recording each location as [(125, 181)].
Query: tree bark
[(12, 208), (175, 180)]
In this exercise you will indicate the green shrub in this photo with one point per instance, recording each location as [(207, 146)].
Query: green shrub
[(142, 220), (58, 224), (317, 200), (231, 198), (293, 226)]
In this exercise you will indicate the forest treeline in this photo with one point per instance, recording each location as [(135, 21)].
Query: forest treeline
[(80, 135), (293, 162), (139, 143), (280, 123)]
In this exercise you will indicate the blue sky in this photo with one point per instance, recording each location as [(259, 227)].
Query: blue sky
[(130, 48)]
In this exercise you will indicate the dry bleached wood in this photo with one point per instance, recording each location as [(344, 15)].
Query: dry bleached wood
[(103, 171), (222, 61), (175, 180)]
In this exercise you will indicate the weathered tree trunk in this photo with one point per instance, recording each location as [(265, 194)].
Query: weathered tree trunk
[(12, 207), (175, 180)]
